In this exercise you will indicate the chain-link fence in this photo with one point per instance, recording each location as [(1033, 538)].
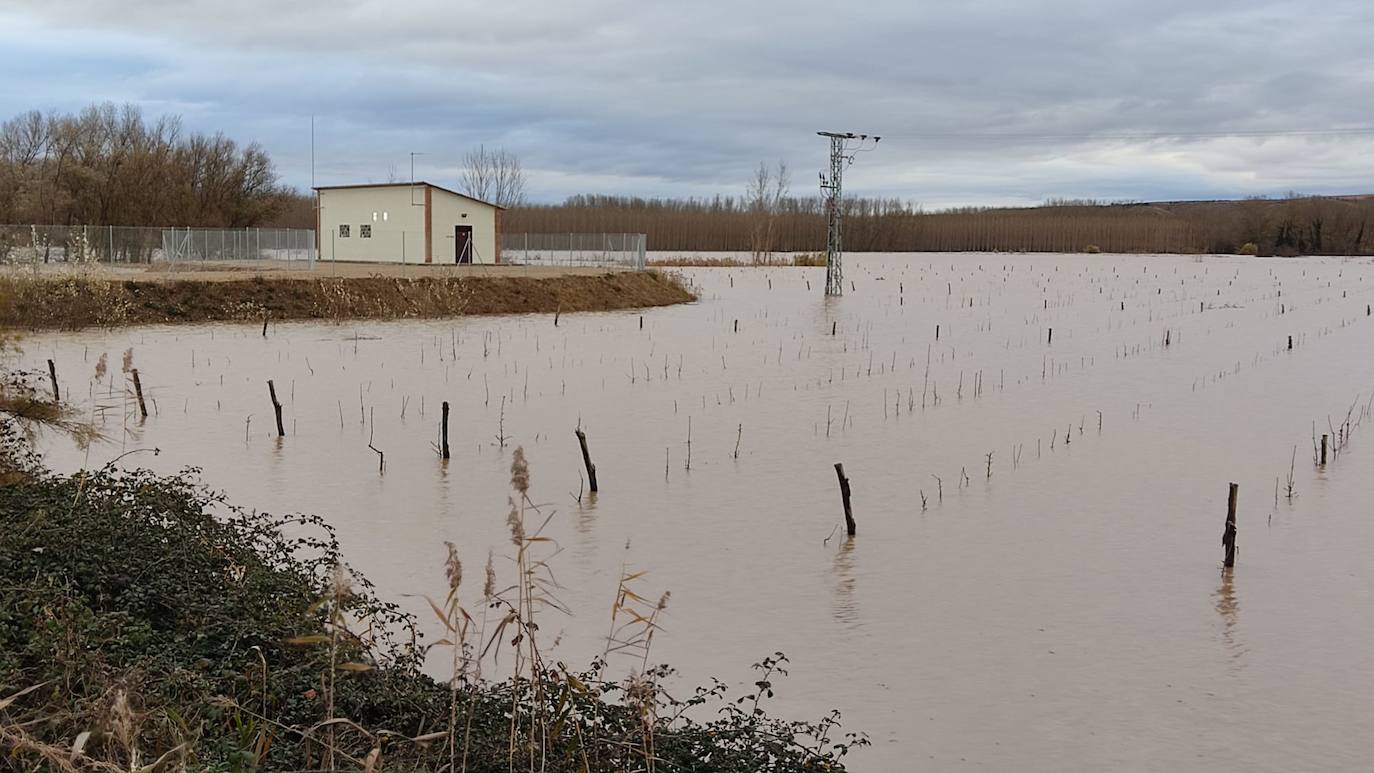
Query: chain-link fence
[(572, 249), (38, 245), (212, 244), (77, 244)]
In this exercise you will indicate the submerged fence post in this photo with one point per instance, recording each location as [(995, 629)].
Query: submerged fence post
[(276, 407), (52, 373), (138, 391), (1228, 537), (1324, 437), (443, 431), (587, 459), (844, 497)]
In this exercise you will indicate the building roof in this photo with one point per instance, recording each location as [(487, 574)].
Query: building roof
[(415, 184)]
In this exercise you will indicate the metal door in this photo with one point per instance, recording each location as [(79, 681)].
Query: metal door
[(462, 244)]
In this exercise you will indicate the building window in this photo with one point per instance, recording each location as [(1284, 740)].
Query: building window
[(384, 216), (365, 231), (374, 217), (343, 230)]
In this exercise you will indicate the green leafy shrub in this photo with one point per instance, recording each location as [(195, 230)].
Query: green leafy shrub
[(143, 618)]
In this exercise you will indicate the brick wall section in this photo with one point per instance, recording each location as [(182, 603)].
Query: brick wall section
[(498, 236)]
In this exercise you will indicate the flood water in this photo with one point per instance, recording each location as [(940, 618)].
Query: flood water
[(1067, 612)]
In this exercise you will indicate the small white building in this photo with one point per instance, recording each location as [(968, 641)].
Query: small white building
[(406, 223)]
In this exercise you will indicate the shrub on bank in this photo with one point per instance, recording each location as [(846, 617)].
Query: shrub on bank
[(144, 618)]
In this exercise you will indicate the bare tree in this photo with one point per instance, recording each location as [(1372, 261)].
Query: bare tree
[(767, 193), (494, 176), (108, 165)]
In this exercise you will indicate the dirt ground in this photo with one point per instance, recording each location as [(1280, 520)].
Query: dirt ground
[(275, 269)]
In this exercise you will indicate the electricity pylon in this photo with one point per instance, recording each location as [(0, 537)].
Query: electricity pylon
[(843, 146)]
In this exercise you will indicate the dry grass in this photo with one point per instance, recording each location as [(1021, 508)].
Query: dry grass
[(696, 261), (778, 261)]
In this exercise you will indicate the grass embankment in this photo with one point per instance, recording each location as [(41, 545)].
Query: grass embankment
[(146, 624), (81, 301)]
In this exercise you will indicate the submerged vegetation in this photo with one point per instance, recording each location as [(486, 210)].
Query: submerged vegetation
[(71, 301), (146, 623)]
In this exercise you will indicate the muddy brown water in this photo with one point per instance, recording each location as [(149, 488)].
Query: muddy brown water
[(1067, 613)]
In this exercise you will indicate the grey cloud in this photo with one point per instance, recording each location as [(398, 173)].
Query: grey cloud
[(980, 101)]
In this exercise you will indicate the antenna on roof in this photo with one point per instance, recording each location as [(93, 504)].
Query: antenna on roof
[(413, 154)]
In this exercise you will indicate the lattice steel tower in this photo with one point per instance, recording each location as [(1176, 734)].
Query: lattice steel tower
[(843, 146)]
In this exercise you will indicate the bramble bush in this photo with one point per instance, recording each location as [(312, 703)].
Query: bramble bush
[(144, 619)]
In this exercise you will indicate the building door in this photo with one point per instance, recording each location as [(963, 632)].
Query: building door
[(462, 244)]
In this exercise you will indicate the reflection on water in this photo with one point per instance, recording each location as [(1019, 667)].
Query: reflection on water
[(1229, 609), (846, 608), (1062, 614)]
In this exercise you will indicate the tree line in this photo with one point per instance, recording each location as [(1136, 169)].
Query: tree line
[(1294, 225), (109, 165)]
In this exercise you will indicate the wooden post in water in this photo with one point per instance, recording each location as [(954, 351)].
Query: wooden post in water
[(264, 326), (52, 374), (443, 431), (832, 327), (276, 407), (1290, 343), (557, 312), (138, 392), (1049, 339), (587, 459), (844, 497), (1324, 436), (1228, 537)]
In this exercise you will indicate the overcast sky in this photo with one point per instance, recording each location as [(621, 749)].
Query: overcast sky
[(978, 101)]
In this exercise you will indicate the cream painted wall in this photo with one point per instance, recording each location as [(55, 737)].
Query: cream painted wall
[(398, 226), (448, 212)]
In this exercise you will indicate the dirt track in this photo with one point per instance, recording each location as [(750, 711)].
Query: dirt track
[(243, 269)]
